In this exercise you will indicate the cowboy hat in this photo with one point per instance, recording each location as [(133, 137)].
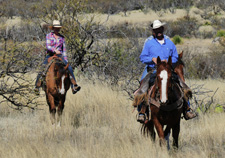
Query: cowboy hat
[(157, 24), (56, 24)]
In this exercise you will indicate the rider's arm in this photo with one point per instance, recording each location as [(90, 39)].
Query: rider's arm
[(64, 50), (146, 56)]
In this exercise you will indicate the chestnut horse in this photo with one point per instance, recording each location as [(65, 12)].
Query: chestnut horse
[(57, 84), (166, 102), (179, 67)]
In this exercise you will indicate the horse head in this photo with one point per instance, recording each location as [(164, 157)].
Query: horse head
[(61, 76), (179, 67), (163, 78)]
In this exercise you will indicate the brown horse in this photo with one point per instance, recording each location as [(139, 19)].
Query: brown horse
[(179, 67), (166, 101), (57, 84)]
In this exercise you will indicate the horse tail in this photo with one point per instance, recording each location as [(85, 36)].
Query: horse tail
[(147, 129)]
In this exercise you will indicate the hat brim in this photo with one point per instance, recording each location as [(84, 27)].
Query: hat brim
[(51, 27), (158, 26)]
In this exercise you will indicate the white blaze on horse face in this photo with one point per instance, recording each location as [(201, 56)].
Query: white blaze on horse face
[(62, 90), (164, 77)]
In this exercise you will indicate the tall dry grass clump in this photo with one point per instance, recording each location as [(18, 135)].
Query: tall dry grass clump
[(98, 122)]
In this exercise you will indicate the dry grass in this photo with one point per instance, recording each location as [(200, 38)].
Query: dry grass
[(98, 122), (213, 85), (140, 17)]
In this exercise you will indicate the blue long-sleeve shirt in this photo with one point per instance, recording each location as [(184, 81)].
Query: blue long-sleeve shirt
[(152, 49)]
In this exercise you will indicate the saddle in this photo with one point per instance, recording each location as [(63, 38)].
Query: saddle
[(50, 61)]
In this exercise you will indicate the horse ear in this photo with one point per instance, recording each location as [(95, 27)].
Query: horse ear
[(181, 55), (170, 60), (158, 60)]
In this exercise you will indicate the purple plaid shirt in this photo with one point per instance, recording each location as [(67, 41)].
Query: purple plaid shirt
[(53, 44)]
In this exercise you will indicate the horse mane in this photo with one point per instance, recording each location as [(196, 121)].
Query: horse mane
[(179, 62)]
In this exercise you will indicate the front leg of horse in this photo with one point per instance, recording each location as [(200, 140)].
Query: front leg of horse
[(160, 132), (59, 111), (52, 108), (176, 131)]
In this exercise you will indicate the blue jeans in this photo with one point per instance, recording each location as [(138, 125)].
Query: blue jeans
[(145, 72)]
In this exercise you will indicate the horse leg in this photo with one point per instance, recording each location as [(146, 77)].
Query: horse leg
[(167, 135), (151, 130), (60, 110), (52, 108), (176, 131), (160, 132)]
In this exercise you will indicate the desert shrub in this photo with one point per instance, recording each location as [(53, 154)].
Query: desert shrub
[(207, 23), (218, 22), (220, 33), (206, 34), (127, 30), (201, 66), (120, 60), (177, 40), (112, 7), (184, 27)]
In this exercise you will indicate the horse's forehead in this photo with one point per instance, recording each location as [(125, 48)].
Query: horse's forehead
[(163, 67), (163, 74)]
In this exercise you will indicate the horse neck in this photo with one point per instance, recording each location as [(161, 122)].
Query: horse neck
[(174, 92)]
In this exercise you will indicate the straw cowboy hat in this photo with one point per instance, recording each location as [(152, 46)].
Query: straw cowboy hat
[(56, 23), (157, 24)]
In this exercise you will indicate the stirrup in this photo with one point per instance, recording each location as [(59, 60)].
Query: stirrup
[(141, 117), (191, 116)]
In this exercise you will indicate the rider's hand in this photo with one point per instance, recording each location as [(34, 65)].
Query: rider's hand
[(57, 51), (154, 60)]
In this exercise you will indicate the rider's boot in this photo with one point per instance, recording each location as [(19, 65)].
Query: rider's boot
[(38, 84), (141, 118), (188, 112), (143, 115), (75, 88)]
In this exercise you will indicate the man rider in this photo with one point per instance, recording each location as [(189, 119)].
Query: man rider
[(158, 45)]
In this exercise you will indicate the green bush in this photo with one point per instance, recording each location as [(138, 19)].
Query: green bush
[(220, 33), (177, 40), (184, 27)]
